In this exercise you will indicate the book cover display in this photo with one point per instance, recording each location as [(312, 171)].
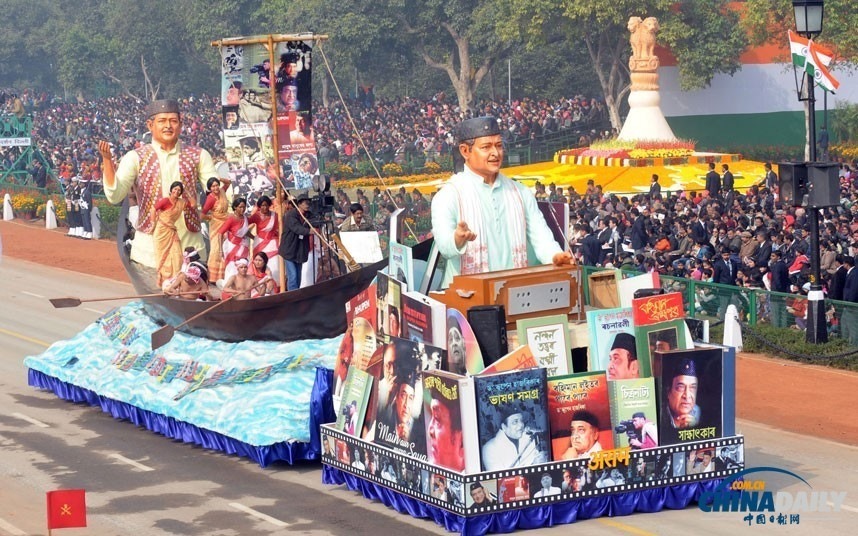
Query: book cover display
[(633, 413), (605, 326), (512, 419), (519, 359), (424, 319), (658, 308), (451, 426), (359, 342), (660, 337), (354, 401), (579, 415), (548, 338), (463, 351), (690, 386), (399, 413), (401, 264), (389, 305)]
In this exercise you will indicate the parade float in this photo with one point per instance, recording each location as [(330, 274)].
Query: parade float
[(527, 434), (246, 377)]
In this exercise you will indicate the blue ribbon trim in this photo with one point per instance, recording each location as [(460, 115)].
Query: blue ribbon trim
[(616, 504), (321, 411)]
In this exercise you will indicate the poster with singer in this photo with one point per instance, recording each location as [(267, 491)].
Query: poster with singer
[(293, 82), (246, 111)]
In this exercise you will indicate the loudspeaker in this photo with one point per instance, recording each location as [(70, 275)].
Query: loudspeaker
[(792, 183), (489, 325), (647, 292), (823, 185)]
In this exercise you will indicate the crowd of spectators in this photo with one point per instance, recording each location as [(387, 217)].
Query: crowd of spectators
[(67, 133), (748, 240)]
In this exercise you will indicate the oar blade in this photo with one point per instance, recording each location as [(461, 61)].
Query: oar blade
[(62, 303), (162, 336)]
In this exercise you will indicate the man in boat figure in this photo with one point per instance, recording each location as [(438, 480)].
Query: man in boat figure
[(150, 170), (483, 221)]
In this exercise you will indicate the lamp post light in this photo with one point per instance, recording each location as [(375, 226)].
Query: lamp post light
[(808, 23)]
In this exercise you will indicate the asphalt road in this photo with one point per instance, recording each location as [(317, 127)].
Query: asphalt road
[(140, 483)]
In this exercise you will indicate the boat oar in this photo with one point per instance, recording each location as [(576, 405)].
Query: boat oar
[(163, 335), (62, 303)]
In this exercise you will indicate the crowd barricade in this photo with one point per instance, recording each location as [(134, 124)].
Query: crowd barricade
[(756, 306)]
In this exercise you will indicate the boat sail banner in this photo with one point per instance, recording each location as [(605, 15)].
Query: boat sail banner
[(247, 112), (298, 159)]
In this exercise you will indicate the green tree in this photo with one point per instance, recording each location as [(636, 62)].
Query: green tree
[(704, 36)]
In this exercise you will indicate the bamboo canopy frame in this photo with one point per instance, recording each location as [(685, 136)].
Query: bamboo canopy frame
[(269, 41)]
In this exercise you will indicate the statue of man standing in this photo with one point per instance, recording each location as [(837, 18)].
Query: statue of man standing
[(150, 169)]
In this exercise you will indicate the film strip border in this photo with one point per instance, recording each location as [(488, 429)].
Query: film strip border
[(417, 478)]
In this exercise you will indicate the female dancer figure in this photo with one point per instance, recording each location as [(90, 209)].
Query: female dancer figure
[(215, 212), (236, 237), (168, 248), (267, 234)]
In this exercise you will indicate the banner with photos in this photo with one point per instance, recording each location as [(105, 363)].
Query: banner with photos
[(247, 117)]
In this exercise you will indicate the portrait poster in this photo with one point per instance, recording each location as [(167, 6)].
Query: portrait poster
[(512, 419), (354, 402), (663, 337), (246, 112), (604, 325), (443, 411), (689, 386), (463, 351), (579, 397), (628, 398), (293, 84), (545, 484), (388, 304), (399, 415), (485, 491), (513, 488), (359, 341)]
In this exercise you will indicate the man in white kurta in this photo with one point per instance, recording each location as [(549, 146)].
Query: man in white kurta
[(482, 220), (164, 122)]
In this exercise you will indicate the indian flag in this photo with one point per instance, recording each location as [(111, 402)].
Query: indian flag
[(814, 59)]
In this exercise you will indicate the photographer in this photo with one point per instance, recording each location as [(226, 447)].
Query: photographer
[(295, 245), (263, 70), (647, 432)]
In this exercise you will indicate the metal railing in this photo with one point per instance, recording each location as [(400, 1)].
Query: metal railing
[(706, 300)]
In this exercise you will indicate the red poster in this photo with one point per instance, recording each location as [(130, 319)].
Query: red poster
[(655, 309)]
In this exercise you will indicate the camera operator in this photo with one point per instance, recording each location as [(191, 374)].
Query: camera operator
[(647, 432), (263, 71), (295, 244)]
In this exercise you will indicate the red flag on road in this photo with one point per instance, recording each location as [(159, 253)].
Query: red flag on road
[(66, 508)]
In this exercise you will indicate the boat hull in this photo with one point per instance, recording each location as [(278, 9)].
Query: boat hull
[(314, 312)]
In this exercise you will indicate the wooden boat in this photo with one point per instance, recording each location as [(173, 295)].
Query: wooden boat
[(314, 312)]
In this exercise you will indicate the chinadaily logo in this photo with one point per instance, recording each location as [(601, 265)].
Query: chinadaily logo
[(750, 496)]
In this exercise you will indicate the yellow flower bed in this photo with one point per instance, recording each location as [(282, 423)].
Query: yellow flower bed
[(392, 169), (660, 153), (847, 152), (26, 202), (372, 182)]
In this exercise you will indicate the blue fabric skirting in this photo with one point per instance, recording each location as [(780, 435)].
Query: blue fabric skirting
[(321, 410), (616, 504)]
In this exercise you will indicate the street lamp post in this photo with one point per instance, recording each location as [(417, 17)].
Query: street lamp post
[(808, 23)]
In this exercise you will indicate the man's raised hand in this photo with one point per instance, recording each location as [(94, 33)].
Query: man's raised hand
[(463, 234)]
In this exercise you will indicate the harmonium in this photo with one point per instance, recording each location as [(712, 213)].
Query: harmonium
[(524, 292)]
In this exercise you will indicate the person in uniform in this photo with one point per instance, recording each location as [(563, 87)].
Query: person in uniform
[(151, 169), (483, 221)]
